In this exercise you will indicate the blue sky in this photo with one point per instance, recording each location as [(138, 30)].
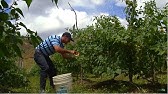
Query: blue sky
[(112, 9), (45, 18), (108, 7)]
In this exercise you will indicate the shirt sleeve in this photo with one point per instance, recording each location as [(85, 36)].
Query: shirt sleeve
[(56, 41)]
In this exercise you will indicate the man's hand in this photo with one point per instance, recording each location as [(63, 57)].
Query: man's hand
[(76, 53), (64, 51), (71, 55)]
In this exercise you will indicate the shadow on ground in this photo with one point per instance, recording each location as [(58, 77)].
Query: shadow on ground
[(119, 86)]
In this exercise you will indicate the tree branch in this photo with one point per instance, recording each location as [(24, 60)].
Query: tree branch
[(75, 16)]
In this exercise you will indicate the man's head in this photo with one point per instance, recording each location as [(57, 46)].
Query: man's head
[(66, 37)]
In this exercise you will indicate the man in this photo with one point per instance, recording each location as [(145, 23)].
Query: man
[(53, 44)]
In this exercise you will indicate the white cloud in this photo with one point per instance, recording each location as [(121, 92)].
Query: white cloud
[(159, 3), (46, 19), (120, 3), (80, 3), (97, 2), (66, 17), (123, 22), (51, 19), (76, 3)]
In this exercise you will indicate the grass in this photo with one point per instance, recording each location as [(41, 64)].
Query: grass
[(100, 85), (118, 85), (103, 84), (33, 86)]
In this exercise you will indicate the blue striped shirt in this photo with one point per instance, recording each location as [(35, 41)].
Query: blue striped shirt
[(47, 46)]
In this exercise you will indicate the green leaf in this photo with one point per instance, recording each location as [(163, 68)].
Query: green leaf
[(21, 24), (1, 50), (1, 31), (17, 16), (12, 12), (29, 31), (4, 4), (55, 1), (3, 16), (19, 11), (7, 39), (164, 20), (19, 40), (9, 24), (17, 50), (161, 52), (74, 27), (4, 50), (34, 40), (28, 2)]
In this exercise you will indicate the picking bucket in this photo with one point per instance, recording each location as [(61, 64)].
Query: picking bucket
[(63, 83)]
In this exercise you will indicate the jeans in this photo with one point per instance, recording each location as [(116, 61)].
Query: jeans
[(47, 68)]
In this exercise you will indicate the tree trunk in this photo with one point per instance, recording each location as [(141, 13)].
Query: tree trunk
[(130, 72), (153, 72), (81, 74)]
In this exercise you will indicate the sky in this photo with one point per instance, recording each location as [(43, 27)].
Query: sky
[(45, 18)]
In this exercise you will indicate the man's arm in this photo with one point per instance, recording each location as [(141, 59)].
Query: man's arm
[(67, 56), (66, 53), (62, 50)]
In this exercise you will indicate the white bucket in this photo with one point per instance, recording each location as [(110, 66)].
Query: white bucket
[(63, 82)]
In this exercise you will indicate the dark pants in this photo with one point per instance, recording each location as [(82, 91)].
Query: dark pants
[(47, 68)]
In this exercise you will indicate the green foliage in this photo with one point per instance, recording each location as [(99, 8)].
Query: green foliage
[(10, 35), (28, 2), (108, 48), (96, 45), (10, 42), (147, 39), (65, 65), (11, 76), (35, 70)]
